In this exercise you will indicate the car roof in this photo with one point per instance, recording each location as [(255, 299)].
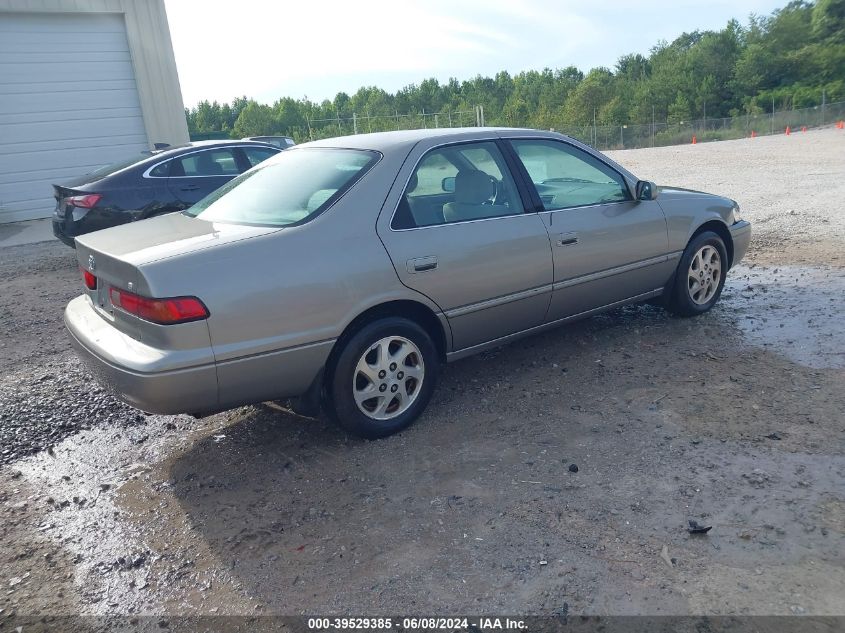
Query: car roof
[(250, 138), (405, 139), (210, 143)]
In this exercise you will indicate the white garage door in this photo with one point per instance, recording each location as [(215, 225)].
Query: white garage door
[(68, 104)]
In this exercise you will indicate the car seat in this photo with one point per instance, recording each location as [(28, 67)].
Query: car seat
[(473, 191)]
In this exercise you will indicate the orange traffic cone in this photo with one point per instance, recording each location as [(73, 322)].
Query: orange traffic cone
[(787, 131), (804, 128), (753, 134), (693, 139), (840, 125)]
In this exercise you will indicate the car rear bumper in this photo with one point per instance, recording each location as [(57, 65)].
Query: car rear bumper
[(59, 232), (741, 237), (137, 373), (66, 228), (187, 381)]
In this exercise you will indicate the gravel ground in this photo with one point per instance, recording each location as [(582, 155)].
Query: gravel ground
[(733, 419), (44, 394)]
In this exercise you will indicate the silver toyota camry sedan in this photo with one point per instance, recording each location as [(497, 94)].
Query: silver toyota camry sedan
[(343, 272)]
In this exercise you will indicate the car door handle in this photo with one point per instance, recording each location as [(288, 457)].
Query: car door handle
[(567, 239), (190, 187), (421, 264)]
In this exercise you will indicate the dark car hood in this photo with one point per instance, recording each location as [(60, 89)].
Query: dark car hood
[(166, 236)]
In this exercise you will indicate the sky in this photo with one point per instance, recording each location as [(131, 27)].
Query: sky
[(267, 49)]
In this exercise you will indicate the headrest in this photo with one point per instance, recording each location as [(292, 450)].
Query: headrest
[(473, 187)]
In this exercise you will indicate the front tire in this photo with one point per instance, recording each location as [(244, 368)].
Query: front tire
[(383, 378), (700, 276)]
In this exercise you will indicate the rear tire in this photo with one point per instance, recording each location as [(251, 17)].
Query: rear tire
[(383, 378), (700, 276)]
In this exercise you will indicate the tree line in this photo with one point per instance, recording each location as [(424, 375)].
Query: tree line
[(792, 58)]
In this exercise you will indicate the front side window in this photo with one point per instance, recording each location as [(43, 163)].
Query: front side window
[(212, 162), (291, 189), (458, 183), (568, 177)]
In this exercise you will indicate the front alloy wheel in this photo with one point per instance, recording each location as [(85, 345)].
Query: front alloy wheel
[(704, 274), (700, 275)]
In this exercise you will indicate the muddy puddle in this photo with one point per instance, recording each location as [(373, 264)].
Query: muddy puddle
[(797, 311)]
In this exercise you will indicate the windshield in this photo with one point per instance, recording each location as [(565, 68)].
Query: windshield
[(290, 188)]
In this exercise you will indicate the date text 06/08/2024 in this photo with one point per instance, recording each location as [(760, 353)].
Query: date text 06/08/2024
[(416, 623)]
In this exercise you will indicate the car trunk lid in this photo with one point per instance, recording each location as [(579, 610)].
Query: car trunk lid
[(166, 236), (109, 272), (117, 256)]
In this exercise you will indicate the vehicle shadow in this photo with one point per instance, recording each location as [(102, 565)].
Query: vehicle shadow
[(460, 509)]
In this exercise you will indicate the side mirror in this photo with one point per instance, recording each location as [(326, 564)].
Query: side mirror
[(448, 184), (646, 190)]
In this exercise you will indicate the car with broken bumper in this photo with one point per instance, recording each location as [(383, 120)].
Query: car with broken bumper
[(342, 273)]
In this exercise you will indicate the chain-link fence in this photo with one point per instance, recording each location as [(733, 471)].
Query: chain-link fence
[(602, 137), (606, 137), (361, 124)]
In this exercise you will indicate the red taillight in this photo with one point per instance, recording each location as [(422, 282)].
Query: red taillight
[(85, 202), (162, 311), (90, 279)]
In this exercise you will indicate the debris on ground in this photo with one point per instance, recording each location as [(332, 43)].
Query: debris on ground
[(664, 554), (696, 528)]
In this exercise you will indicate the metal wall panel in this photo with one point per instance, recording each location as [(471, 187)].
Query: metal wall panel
[(56, 119), (82, 83)]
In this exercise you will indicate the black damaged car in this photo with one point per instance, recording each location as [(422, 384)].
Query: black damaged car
[(151, 183)]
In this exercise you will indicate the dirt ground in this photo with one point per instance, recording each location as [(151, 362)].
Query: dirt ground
[(734, 419)]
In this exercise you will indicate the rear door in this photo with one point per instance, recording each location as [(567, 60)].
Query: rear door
[(458, 232), (194, 175), (607, 246)]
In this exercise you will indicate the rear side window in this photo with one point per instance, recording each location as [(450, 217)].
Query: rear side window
[(161, 171), (212, 162), (107, 170), (291, 189), (257, 155), (458, 183)]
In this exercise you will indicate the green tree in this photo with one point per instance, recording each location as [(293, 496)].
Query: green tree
[(791, 55), (255, 120)]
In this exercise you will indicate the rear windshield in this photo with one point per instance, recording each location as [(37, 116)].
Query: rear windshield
[(107, 170), (288, 189)]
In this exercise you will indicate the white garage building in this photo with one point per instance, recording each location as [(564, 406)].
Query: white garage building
[(82, 83)]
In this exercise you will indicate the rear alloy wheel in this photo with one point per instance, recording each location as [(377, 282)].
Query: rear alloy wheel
[(383, 378), (700, 276)]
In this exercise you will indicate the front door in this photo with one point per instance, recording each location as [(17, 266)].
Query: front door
[(607, 247), (460, 235)]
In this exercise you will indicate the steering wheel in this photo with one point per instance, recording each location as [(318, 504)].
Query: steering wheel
[(496, 191)]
